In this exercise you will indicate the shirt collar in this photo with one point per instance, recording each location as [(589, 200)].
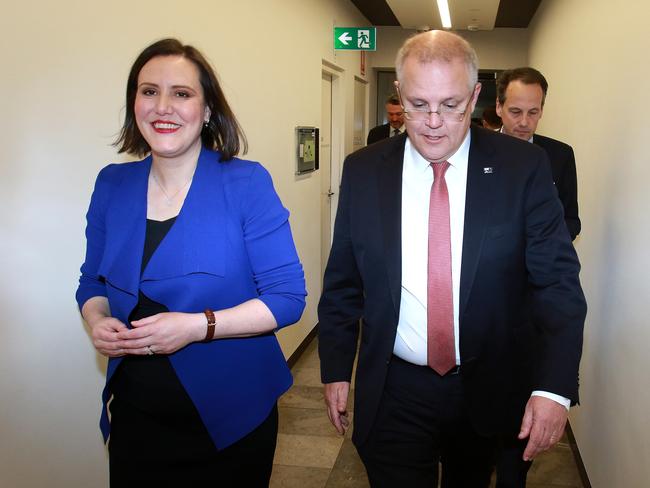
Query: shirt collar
[(529, 140), (457, 160)]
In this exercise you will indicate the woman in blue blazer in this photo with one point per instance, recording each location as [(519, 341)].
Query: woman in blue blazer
[(190, 268)]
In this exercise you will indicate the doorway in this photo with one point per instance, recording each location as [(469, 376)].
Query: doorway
[(326, 192), (359, 129), (332, 153)]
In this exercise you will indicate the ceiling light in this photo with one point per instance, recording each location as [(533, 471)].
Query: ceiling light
[(445, 18)]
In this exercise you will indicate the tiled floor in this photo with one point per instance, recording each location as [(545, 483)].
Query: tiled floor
[(310, 454)]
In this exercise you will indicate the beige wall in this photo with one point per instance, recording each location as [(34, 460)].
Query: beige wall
[(496, 49), (64, 66), (594, 55)]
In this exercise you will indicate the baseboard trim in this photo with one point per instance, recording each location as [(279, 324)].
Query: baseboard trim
[(303, 345), (578, 458)]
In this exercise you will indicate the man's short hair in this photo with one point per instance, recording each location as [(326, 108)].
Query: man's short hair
[(438, 45), (491, 117), (527, 75), (393, 100)]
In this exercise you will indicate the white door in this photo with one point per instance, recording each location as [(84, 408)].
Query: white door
[(326, 168)]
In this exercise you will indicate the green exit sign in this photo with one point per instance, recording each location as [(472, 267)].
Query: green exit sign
[(355, 38)]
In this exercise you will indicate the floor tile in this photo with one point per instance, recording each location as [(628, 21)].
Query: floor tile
[(556, 466), (348, 471), (298, 477), (309, 357), (306, 376), (303, 397), (305, 421), (305, 450)]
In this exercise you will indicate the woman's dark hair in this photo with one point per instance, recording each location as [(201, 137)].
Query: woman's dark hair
[(222, 132)]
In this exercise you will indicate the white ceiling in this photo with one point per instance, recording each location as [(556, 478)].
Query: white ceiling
[(465, 14)]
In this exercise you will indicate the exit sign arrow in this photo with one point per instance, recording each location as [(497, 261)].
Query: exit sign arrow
[(345, 38)]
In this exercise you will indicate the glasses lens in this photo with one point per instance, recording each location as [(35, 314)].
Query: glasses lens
[(446, 116)]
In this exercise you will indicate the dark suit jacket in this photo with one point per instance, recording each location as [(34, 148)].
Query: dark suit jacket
[(563, 166), (514, 240), (231, 242), (378, 133)]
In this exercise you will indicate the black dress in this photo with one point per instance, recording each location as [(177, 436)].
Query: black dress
[(157, 436), (156, 432)]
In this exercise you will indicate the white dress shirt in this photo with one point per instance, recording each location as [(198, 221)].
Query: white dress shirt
[(502, 132), (417, 178)]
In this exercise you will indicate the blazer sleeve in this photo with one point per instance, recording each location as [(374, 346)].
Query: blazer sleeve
[(568, 192), (377, 134), (558, 303), (342, 301), (276, 268), (90, 283)]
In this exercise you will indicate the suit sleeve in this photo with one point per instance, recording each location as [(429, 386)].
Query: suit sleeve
[(277, 270), (372, 136), (569, 195), (558, 306), (341, 304), (376, 134), (90, 283)]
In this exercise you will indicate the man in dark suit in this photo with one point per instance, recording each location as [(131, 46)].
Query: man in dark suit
[(521, 93), (438, 269), (395, 125)]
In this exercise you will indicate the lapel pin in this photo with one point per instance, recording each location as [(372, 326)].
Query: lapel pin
[(488, 170)]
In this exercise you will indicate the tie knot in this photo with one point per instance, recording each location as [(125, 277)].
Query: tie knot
[(439, 169)]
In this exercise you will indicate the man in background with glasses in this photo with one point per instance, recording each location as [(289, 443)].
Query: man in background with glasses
[(440, 234), (395, 125), (521, 93)]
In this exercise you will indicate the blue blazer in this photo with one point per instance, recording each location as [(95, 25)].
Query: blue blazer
[(231, 242)]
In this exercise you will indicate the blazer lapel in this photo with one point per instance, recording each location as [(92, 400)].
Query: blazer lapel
[(125, 228), (482, 174), (389, 179), (197, 233)]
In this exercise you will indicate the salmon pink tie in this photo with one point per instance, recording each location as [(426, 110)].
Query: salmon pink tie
[(441, 349)]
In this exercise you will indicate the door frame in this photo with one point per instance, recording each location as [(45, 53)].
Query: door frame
[(337, 135)]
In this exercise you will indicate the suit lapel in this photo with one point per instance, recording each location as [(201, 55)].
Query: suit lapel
[(389, 180), (482, 174)]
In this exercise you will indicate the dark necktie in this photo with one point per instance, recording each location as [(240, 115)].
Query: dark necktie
[(395, 132), (441, 349)]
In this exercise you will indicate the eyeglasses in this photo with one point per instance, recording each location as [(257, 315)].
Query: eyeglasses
[(445, 112)]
